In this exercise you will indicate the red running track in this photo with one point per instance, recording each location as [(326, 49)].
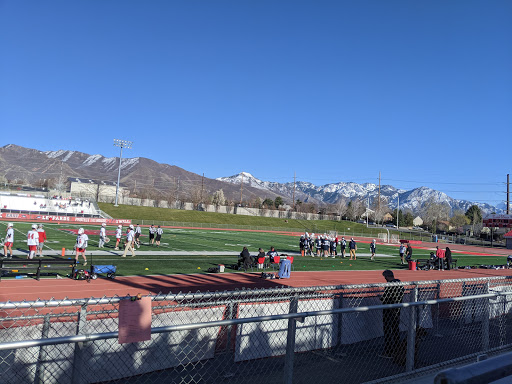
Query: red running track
[(31, 289)]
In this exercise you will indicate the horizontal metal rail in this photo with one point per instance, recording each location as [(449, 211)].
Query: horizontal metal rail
[(220, 323)]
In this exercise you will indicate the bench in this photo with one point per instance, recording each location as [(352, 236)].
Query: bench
[(421, 263), (22, 265)]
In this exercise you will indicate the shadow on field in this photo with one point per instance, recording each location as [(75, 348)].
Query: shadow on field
[(211, 282)]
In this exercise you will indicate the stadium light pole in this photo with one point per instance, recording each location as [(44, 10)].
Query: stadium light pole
[(121, 144)]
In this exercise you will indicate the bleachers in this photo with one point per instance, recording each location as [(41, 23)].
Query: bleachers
[(42, 205)]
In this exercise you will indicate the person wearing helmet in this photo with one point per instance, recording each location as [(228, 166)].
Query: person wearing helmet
[(152, 231), (353, 248), (42, 238), (8, 241), (103, 235), (373, 248), (333, 247), (129, 245), (318, 245), (32, 241), (159, 233), (343, 246), (138, 232), (81, 245), (119, 233)]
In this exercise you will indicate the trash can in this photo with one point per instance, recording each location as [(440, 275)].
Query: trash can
[(412, 265)]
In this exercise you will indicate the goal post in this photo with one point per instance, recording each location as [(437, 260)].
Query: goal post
[(383, 237)]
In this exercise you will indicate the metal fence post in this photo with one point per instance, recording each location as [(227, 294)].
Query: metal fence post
[(290, 343), (411, 333), (41, 358), (485, 320), (79, 368)]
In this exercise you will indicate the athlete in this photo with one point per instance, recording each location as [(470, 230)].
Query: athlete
[(81, 245), (32, 241), (159, 232), (138, 232), (9, 240), (42, 238), (119, 233), (103, 234), (152, 231)]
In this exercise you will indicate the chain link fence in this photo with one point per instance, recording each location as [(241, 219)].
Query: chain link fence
[(350, 334)]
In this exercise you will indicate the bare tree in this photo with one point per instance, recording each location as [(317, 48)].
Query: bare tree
[(380, 210), (432, 212), (355, 208), (341, 206)]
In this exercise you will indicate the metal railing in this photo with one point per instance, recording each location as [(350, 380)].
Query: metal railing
[(279, 335)]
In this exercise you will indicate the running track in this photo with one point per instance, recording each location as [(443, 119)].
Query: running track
[(45, 289)]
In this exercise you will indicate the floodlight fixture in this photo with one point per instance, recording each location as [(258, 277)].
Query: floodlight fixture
[(121, 144)]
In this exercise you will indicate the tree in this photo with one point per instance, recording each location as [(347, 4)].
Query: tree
[(218, 198), (458, 220), (268, 203), (355, 208), (341, 207), (380, 209), (278, 201), (433, 212), (474, 214)]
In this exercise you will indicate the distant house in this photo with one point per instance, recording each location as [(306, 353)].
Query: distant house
[(417, 222), (387, 217), (93, 188)]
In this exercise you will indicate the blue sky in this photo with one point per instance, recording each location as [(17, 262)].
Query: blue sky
[(332, 90)]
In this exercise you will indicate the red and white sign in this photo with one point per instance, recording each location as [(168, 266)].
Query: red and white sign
[(67, 219), (495, 220)]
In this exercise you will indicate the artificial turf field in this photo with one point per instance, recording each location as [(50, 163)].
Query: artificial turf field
[(196, 243)]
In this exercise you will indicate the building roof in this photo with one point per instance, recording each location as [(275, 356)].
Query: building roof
[(91, 181)]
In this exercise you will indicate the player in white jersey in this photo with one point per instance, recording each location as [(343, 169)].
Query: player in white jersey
[(159, 233), (32, 241), (8, 241), (130, 242), (138, 232), (152, 231), (103, 234), (119, 233), (81, 245)]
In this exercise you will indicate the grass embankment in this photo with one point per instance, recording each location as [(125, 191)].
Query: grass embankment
[(176, 215)]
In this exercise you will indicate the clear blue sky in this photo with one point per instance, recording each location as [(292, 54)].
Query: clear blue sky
[(332, 90)]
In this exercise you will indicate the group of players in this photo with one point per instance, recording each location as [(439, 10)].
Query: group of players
[(36, 238), (327, 246)]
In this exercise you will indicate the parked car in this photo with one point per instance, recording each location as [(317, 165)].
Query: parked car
[(417, 228), (391, 225)]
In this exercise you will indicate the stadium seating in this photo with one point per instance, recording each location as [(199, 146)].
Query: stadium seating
[(42, 205)]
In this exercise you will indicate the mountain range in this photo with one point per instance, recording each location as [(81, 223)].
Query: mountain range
[(148, 179)]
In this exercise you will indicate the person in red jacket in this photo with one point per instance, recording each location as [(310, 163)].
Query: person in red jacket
[(42, 238)]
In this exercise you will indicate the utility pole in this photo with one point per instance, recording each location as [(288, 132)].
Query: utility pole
[(178, 189), (294, 175), (202, 187), (508, 193), (378, 202), (241, 188), (397, 211)]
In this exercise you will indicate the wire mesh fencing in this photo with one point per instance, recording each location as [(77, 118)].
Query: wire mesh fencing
[(353, 334)]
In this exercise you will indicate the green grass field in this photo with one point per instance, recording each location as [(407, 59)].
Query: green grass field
[(201, 240)]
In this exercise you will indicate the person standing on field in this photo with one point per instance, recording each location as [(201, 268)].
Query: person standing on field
[(119, 234), (402, 252), (103, 234), (152, 231), (42, 238), (130, 242), (159, 233), (8, 241), (373, 249), (343, 246), (81, 245), (353, 248), (138, 232), (32, 241)]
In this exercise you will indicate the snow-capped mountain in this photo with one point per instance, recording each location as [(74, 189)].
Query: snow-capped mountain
[(332, 193)]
